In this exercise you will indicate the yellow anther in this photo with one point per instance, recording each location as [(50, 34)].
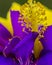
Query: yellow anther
[(33, 12)]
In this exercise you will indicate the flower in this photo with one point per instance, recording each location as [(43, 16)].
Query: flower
[(19, 46), (33, 24)]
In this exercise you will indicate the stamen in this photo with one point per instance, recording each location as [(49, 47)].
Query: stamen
[(33, 12)]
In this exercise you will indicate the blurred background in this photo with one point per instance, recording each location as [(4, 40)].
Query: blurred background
[(6, 4)]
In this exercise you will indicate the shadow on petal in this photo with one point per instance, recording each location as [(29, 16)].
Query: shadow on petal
[(11, 44), (4, 33)]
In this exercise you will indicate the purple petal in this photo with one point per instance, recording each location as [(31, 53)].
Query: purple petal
[(45, 60), (17, 28), (11, 45), (7, 61), (4, 33), (2, 44), (48, 33), (25, 46), (47, 40), (44, 43)]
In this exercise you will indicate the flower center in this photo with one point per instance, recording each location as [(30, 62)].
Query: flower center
[(33, 13)]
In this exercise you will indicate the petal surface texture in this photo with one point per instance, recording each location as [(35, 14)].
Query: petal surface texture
[(4, 33), (47, 40), (6, 61), (45, 60), (9, 47), (24, 48)]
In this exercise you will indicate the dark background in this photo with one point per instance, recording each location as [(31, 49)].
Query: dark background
[(6, 4)]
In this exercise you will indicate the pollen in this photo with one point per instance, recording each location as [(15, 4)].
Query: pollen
[(33, 12)]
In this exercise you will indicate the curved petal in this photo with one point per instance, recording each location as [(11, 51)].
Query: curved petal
[(8, 48), (25, 46), (4, 33), (17, 28)]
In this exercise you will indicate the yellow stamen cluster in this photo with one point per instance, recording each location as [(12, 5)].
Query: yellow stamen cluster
[(34, 13), (25, 26)]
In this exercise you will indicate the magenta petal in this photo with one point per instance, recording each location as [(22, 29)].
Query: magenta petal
[(2, 44), (1, 48), (17, 28), (11, 44), (4, 33), (24, 48)]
